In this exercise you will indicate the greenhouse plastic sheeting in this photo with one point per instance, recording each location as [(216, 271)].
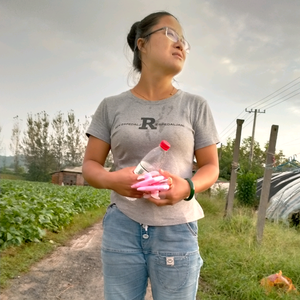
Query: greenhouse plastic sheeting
[(287, 199), (278, 182)]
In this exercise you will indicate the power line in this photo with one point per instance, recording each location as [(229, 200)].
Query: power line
[(231, 123), (276, 91), (283, 99), (292, 141), (231, 128), (281, 93)]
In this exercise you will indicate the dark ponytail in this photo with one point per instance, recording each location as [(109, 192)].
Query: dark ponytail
[(139, 30)]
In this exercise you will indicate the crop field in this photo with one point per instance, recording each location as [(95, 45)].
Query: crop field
[(29, 209)]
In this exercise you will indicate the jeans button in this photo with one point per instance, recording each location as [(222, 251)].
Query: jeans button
[(145, 236)]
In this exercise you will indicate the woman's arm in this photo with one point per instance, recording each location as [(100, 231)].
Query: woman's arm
[(93, 163), (94, 173), (208, 172)]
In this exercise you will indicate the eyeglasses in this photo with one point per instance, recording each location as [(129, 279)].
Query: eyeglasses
[(173, 36)]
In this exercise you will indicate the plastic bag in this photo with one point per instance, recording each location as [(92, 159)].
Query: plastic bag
[(277, 281)]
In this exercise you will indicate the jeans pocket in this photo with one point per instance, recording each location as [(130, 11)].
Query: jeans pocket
[(108, 210), (193, 227), (172, 271)]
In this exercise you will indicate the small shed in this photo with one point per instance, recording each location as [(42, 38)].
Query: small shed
[(69, 176)]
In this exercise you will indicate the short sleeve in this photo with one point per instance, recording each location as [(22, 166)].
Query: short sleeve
[(204, 126), (100, 126)]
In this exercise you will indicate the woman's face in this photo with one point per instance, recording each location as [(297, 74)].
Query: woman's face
[(160, 54)]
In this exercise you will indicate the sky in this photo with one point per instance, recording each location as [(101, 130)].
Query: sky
[(63, 55)]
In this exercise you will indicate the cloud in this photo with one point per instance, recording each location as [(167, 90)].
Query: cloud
[(245, 47), (72, 51)]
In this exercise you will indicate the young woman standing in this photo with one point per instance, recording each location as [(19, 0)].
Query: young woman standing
[(152, 238)]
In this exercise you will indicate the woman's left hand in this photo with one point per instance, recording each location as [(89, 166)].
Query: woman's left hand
[(179, 189)]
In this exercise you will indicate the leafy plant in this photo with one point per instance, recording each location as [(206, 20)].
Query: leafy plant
[(246, 189), (28, 209)]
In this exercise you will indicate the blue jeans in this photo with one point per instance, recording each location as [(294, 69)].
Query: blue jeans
[(132, 252)]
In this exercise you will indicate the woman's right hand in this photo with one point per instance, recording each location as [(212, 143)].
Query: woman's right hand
[(94, 173), (122, 180)]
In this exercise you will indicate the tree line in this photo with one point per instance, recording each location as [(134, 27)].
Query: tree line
[(48, 145), (255, 166)]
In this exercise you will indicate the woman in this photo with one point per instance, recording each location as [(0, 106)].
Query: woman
[(152, 238)]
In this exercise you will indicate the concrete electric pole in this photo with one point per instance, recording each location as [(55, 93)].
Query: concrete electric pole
[(265, 191), (255, 111), (234, 168)]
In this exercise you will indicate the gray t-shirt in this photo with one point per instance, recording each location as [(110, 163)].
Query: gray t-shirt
[(133, 127)]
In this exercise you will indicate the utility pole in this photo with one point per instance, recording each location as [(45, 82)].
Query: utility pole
[(255, 111), (234, 168), (264, 195)]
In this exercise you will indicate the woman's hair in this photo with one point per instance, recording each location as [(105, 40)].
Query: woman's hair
[(139, 30)]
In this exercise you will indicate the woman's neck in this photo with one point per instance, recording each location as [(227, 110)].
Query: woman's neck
[(153, 88)]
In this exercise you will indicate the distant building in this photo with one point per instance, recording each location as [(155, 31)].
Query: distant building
[(69, 176)]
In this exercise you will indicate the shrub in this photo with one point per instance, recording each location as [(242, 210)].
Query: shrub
[(246, 189)]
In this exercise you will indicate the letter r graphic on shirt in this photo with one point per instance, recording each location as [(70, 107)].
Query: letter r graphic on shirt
[(148, 122)]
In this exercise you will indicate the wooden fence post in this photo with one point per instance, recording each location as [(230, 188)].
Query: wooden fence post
[(234, 167), (264, 196)]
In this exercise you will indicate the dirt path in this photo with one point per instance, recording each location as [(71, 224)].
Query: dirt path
[(72, 272)]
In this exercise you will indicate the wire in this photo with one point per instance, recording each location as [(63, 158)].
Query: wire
[(232, 129), (281, 93), (282, 100), (292, 141), (277, 91), (229, 130), (278, 95), (234, 121), (231, 122)]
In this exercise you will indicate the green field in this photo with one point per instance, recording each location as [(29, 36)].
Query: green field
[(32, 214), (29, 209)]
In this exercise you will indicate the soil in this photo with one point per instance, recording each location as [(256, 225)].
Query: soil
[(71, 272)]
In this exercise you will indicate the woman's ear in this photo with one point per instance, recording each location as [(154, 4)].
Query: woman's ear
[(140, 44)]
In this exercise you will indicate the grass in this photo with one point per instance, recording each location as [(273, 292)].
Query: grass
[(16, 260), (11, 176), (234, 263)]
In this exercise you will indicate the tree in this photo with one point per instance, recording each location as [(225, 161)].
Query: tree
[(85, 126), (15, 145), (2, 148), (74, 146), (226, 159), (36, 148), (278, 158), (1, 141), (258, 162), (259, 157), (58, 140)]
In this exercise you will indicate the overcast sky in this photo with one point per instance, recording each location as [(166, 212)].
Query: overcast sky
[(69, 54)]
